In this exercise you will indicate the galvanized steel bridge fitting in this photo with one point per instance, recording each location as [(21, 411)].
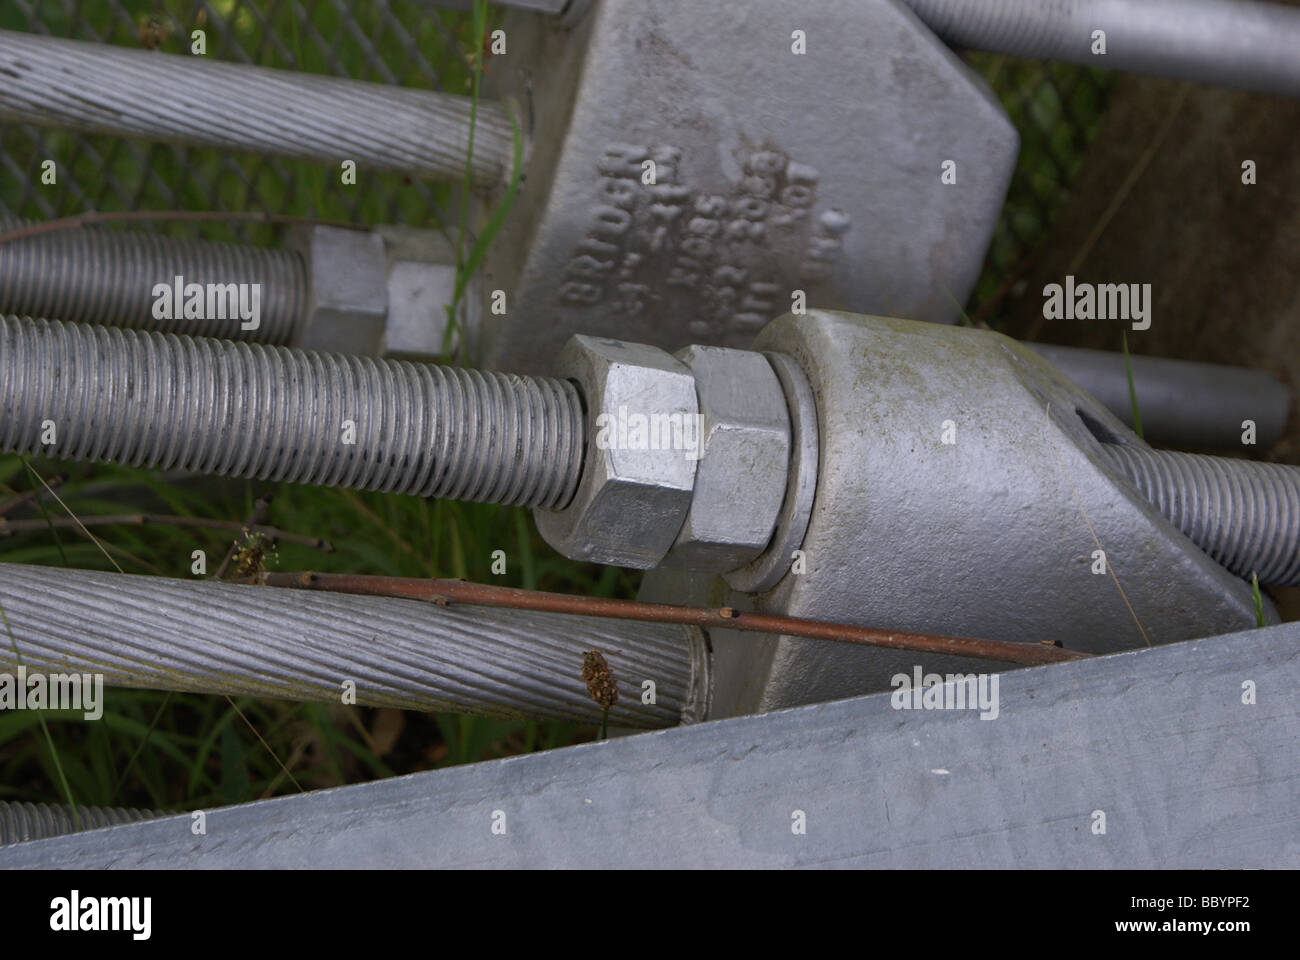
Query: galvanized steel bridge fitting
[(706, 461)]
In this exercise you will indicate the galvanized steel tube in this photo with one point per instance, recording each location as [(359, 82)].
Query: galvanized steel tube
[(1237, 44), (1182, 403)]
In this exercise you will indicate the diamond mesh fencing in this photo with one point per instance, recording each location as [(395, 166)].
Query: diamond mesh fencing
[(1056, 107)]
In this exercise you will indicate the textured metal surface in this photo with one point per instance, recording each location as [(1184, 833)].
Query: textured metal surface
[(1182, 403), (20, 822), (248, 410), (98, 276), (744, 460), (1157, 740), (759, 191), (991, 535), (1230, 42), (164, 634), (1246, 515), (200, 102), (634, 494)]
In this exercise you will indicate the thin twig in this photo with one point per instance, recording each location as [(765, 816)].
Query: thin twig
[(276, 757), (53, 524), (459, 591), (257, 516), (18, 501), (140, 519)]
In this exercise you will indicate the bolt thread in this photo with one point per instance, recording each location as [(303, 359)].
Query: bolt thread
[(1246, 515), (276, 413), (35, 821), (108, 277)]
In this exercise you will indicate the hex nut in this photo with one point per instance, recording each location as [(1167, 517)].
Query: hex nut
[(421, 278), (740, 479), (634, 494), (347, 295)]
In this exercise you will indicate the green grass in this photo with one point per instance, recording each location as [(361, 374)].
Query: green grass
[(1132, 389), (1261, 618)]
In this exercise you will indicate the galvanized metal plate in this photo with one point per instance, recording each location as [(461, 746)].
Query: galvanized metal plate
[(1157, 741)]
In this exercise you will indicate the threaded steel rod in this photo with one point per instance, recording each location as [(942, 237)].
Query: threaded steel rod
[(195, 101), (108, 277), (1246, 515), (1237, 43), (159, 633), (282, 414), (20, 822)]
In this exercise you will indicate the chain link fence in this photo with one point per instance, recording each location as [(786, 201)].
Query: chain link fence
[(1057, 109)]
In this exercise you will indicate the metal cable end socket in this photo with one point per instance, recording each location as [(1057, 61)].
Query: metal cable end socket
[(686, 459)]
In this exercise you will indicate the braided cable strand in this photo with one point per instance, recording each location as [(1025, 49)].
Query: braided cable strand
[(199, 102), (161, 633), (167, 401)]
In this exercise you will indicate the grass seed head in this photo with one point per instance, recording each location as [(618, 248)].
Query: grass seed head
[(601, 686)]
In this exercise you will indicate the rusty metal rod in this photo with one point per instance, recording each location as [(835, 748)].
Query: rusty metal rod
[(487, 595)]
